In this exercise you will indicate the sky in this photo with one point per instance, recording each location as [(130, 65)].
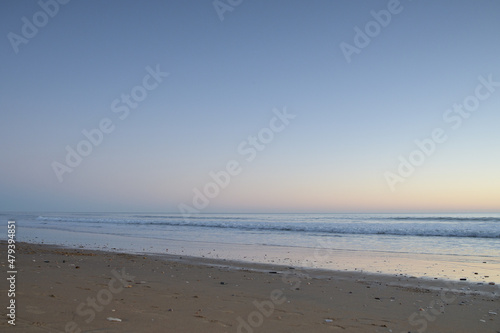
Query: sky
[(250, 106)]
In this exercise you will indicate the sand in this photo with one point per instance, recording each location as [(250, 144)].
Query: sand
[(64, 290)]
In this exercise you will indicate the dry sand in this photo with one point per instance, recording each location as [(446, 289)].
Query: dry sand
[(61, 290)]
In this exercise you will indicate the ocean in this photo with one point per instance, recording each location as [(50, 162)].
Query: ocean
[(446, 246)]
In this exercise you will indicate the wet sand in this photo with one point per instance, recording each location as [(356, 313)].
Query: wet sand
[(64, 290)]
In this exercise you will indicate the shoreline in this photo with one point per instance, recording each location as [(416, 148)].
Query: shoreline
[(423, 282), (452, 267), (189, 293)]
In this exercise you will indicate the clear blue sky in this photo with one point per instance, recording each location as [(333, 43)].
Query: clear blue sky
[(353, 120)]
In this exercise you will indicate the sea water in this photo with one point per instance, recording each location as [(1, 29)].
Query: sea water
[(427, 245)]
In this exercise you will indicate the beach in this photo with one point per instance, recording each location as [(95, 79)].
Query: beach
[(442, 246), (79, 290), (235, 166)]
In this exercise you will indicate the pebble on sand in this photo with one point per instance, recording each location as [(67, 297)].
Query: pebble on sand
[(114, 319)]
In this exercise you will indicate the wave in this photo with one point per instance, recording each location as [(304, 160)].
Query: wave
[(417, 228), (137, 218), (195, 217), (444, 218)]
